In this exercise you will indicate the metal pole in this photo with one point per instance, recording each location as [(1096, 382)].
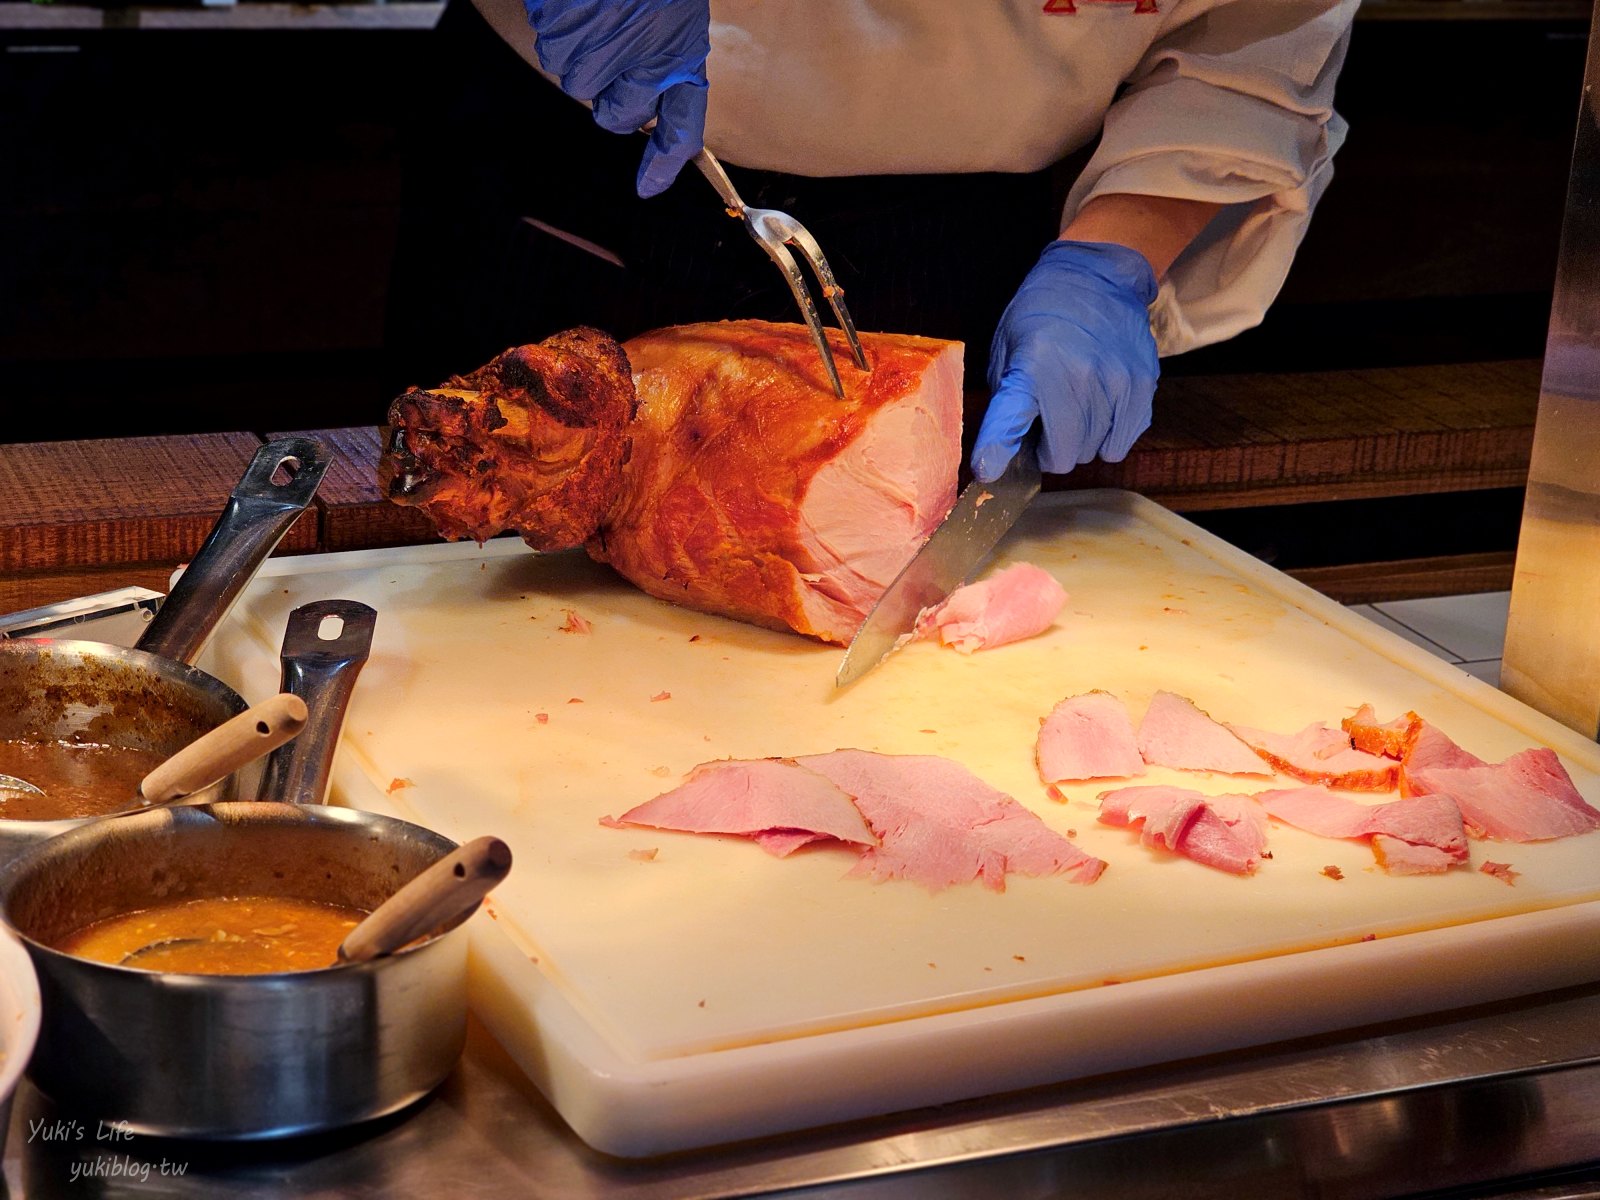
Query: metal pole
[(1552, 652)]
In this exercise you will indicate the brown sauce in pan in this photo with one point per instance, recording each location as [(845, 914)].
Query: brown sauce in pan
[(230, 935), (78, 779)]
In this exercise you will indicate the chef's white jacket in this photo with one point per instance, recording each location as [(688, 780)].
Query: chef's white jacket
[(1221, 100)]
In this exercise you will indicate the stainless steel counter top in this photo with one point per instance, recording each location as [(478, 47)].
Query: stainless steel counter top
[(1498, 1095)]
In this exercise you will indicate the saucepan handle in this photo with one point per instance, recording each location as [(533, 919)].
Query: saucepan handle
[(325, 645), (275, 489)]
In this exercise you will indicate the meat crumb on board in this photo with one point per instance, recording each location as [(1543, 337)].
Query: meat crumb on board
[(661, 696), (575, 622), (397, 784), (1501, 871), (645, 855), (542, 718), (1332, 872)]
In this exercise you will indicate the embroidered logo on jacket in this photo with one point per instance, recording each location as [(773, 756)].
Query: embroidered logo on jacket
[(1071, 6)]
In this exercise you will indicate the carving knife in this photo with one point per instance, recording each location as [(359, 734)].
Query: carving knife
[(981, 516)]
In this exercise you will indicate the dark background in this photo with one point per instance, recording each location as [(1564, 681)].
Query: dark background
[(199, 226)]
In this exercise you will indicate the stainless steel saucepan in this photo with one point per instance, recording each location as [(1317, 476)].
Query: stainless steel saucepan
[(150, 697), (244, 1056)]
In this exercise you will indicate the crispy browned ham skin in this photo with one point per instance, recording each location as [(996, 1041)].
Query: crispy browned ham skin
[(534, 441)]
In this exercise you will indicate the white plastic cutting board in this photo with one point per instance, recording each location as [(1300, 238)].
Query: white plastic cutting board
[(671, 990)]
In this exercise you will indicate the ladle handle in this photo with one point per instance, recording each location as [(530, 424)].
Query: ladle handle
[(325, 645), (445, 890), (276, 488), (222, 751)]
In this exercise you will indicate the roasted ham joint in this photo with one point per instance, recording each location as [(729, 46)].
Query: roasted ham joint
[(711, 465)]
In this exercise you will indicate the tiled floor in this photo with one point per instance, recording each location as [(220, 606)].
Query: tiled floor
[(1466, 630)]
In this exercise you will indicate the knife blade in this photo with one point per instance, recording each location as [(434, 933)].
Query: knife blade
[(980, 517)]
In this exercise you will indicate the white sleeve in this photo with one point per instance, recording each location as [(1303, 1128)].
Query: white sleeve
[(1234, 105)]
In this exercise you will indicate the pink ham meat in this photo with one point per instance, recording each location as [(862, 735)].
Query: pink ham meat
[(1426, 749), (1174, 733), (751, 490), (1527, 798), (1012, 604), (1087, 737), (1398, 857), (1318, 754), (940, 825), (780, 804), (1410, 836), (1226, 832)]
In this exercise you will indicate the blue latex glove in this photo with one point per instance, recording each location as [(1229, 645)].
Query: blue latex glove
[(638, 61), (1073, 350)]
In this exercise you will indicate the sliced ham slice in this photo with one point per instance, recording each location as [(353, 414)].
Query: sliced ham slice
[(1428, 822), (1226, 832), (780, 843), (1386, 738), (1527, 798), (1399, 857), (1088, 737), (1318, 754), (774, 800), (1174, 733), (1010, 605), (940, 825), (1427, 748)]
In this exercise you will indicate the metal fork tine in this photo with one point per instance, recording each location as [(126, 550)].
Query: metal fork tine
[(800, 237), (802, 296), (774, 232)]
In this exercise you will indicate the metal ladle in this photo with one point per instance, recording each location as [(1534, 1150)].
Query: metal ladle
[(213, 755), (220, 752), (437, 896), (10, 783)]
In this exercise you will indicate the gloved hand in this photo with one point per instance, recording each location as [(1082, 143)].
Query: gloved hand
[(1073, 349), (638, 61)]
